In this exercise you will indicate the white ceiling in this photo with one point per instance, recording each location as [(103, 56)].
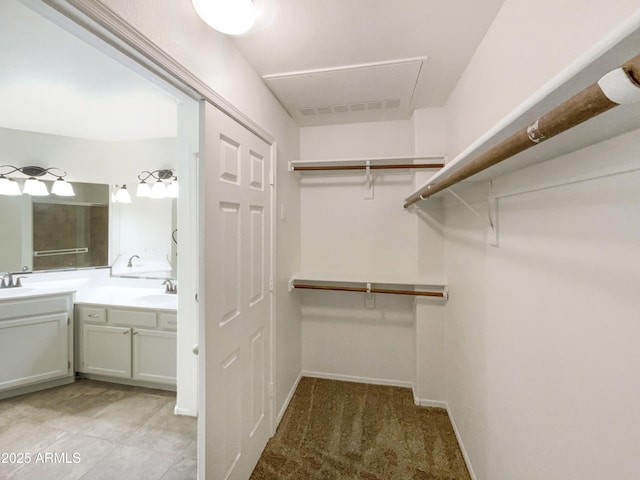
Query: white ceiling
[(296, 36), (52, 82)]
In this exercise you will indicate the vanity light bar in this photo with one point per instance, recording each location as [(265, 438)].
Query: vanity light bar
[(157, 189), (33, 186)]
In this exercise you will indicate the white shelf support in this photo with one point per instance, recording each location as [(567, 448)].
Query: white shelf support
[(368, 182), (490, 222)]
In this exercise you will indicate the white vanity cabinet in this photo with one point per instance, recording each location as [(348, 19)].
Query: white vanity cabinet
[(127, 343), (106, 350), (36, 342)]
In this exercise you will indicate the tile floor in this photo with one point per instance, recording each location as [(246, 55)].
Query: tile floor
[(96, 431)]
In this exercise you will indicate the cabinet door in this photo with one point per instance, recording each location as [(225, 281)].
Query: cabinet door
[(106, 350), (33, 349), (154, 356)]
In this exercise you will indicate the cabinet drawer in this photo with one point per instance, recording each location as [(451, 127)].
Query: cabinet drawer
[(133, 318), (92, 314), (168, 321)]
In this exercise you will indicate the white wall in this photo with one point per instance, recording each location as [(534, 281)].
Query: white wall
[(211, 56), (430, 138), (89, 161), (541, 350), (538, 337), (523, 49), (344, 233)]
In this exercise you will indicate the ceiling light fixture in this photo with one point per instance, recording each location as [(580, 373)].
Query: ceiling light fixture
[(172, 188), (33, 186), (159, 189), (121, 195), (8, 186), (232, 17)]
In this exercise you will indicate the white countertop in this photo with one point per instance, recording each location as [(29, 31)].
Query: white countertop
[(26, 292), (128, 297), (123, 296)]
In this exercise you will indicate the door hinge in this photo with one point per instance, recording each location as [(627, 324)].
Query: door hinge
[(68, 365), (271, 283), (68, 320), (272, 179)]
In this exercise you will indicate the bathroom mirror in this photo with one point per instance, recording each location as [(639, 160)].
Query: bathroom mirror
[(52, 232), (144, 238), (87, 230)]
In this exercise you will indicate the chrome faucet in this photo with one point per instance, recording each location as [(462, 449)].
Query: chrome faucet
[(172, 286), (129, 264), (9, 282)]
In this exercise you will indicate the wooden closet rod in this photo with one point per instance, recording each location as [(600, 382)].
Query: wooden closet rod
[(297, 168), (339, 288), (589, 103)]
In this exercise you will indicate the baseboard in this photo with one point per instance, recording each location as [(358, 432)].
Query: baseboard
[(287, 401), (425, 402), (14, 392), (126, 381), (356, 379), (183, 411), (465, 455)]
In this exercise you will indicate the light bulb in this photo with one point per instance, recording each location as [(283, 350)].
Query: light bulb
[(232, 17), (122, 195), (144, 190), (8, 186), (62, 188), (172, 189), (35, 187), (158, 190)]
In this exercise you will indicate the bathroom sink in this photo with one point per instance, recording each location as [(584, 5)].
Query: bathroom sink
[(159, 300)]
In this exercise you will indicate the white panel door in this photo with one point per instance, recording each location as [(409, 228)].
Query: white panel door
[(238, 302)]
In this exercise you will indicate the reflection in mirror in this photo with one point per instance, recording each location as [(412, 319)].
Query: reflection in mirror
[(141, 237), (52, 232), (72, 232)]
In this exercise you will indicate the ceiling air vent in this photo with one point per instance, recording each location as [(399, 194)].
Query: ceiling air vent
[(349, 93), (395, 103)]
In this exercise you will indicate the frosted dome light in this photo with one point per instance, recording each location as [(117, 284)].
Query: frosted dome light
[(232, 17)]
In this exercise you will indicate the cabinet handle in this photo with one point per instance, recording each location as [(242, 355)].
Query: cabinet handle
[(125, 332), (173, 322), (93, 315), (135, 333)]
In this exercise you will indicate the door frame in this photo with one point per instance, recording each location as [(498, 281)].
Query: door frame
[(99, 26)]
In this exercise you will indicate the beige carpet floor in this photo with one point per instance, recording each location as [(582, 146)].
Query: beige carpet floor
[(343, 430)]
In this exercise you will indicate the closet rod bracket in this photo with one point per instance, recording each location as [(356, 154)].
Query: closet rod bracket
[(369, 298), (368, 181)]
